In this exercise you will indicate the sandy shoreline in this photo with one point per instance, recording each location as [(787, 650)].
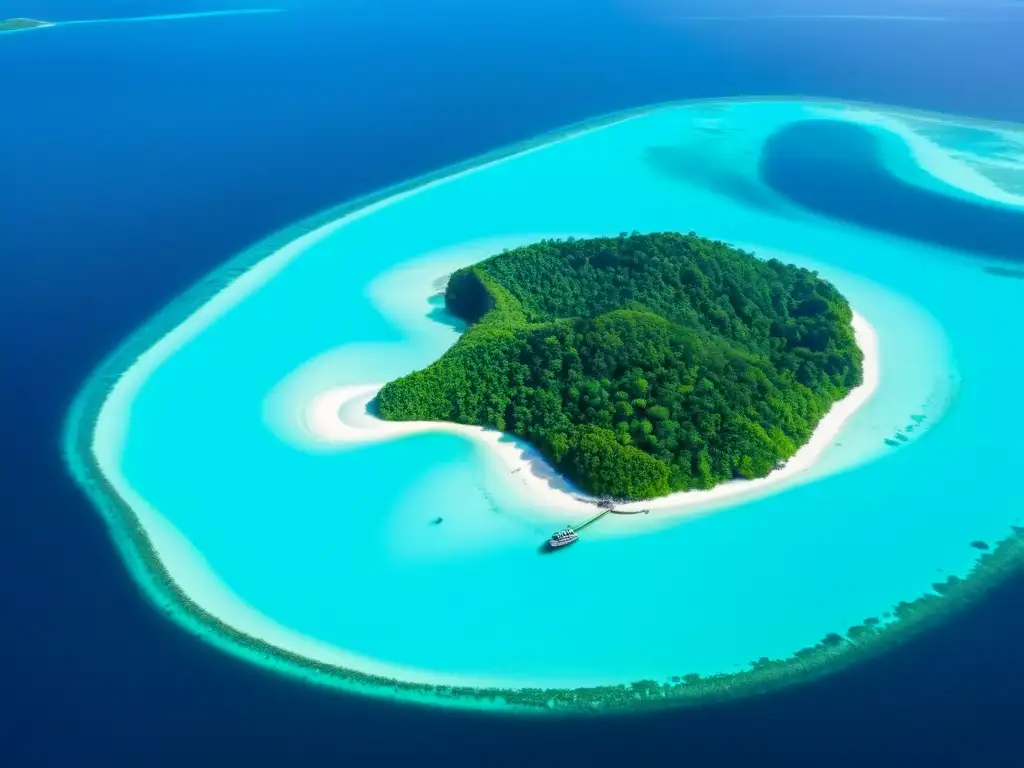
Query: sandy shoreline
[(339, 416)]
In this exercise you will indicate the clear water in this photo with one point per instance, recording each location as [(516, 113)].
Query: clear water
[(337, 546)]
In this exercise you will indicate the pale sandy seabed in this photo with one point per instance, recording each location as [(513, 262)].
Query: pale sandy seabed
[(305, 412)]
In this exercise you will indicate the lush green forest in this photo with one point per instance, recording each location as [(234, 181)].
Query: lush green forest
[(640, 364)]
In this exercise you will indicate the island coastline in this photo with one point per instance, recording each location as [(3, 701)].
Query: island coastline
[(343, 416)]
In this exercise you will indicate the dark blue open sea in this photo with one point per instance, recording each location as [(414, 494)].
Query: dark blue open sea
[(137, 156)]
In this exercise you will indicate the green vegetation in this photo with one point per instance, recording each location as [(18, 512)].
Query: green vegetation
[(13, 25), (643, 364)]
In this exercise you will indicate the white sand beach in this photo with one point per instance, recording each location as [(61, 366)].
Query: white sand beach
[(339, 416)]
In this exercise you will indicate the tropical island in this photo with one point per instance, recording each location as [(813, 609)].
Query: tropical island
[(640, 365), (16, 25)]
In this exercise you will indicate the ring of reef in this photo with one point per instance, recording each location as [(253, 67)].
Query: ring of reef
[(483, 295), (837, 649), (640, 365), (833, 652)]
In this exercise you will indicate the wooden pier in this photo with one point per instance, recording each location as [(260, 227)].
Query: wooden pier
[(606, 508), (593, 519)]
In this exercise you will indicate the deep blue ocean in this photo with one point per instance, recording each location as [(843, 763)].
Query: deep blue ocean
[(135, 157)]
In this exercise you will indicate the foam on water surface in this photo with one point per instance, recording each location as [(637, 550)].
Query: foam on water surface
[(284, 552)]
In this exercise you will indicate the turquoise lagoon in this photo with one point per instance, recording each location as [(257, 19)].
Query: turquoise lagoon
[(324, 562)]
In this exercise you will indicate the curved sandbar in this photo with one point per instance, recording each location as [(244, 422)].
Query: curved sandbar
[(171, 462), (947, 171)]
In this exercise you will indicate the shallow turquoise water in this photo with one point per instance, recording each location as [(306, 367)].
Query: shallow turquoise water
[(338, 545)]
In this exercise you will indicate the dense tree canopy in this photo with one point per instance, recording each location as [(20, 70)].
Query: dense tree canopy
[(640, 364)]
